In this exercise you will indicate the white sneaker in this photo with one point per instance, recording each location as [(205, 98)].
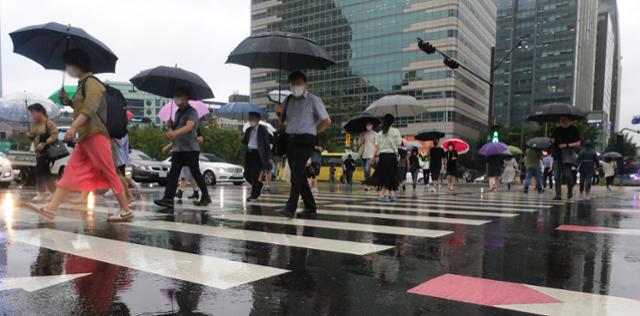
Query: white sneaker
[(121, 216), (109, 193)]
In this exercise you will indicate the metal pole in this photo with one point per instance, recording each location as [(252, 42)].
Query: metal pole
[(492, 70)]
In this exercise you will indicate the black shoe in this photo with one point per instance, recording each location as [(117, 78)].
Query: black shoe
[(557, 198), (164, 203), (203, 202), (308, 214), (179, 194), (286, 213), (569, 196), (194, 196), (251, 199)]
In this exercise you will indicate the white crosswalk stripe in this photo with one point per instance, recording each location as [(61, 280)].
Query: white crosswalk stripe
[(460, 207), (209, 271), (416, 218), (351, 247), (421, 210)]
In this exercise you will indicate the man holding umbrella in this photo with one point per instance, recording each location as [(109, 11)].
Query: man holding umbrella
[(305, 116), (185, 150), (564, 140), (258, 155)]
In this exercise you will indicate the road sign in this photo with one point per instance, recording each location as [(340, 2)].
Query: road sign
[(5, 146)]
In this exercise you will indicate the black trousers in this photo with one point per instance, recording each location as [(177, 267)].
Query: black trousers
[(42, 172), (547, 174), (299, 149), (181, 159), (252, 169)]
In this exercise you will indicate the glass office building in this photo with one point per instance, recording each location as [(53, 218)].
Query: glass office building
[(374, 45), (556, 62)]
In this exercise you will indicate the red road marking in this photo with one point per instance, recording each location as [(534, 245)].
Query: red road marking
[(585, 229)]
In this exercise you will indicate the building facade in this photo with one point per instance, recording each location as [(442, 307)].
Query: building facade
[(603, 80), (610, 8), (556, 62), (373, 43)]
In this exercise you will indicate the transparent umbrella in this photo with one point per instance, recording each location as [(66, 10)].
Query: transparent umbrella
[(398, 105), (13, 107)]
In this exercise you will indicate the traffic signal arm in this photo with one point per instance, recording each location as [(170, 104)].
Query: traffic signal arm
[(448, 61)]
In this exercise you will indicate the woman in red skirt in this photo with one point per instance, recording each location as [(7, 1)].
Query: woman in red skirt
[(90, 166)]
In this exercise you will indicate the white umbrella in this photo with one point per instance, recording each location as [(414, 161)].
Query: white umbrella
[(414, 145), (276, 96), (269, 127), (398, 105), (353, 155), (13, 107)]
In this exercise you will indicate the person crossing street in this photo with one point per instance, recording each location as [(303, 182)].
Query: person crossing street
[(258, 157)]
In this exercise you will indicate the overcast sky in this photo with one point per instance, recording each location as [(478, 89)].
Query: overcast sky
[(198, 35)]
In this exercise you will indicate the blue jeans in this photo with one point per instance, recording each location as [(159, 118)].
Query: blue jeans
[(366, 164), (533, 172), (562, 172)]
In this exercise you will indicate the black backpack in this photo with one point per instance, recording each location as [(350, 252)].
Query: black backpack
[(116, 111)]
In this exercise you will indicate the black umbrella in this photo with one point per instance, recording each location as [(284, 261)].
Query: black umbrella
[(542, 143), (280, 50), (425, 135), (46, 43), (359, 124), (612, 155), (164, 81), (553, 112)]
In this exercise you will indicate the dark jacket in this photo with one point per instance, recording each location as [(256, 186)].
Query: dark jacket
[(263, 144), (588, 159)]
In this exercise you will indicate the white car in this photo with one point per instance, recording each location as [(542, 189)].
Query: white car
[(6, 172), (216, 170)]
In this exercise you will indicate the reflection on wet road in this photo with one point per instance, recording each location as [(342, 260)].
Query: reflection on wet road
[(460, 253)]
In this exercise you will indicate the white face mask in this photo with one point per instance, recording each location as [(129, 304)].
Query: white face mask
[(72, 72), (253, 123), (177, 101), (369, 127), (298, 90)]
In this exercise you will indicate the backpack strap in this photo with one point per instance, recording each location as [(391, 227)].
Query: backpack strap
[(84, 83)]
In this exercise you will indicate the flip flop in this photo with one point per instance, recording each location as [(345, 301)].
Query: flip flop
[(40, 210)]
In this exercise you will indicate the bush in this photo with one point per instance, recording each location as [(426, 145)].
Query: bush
[(149, 140)]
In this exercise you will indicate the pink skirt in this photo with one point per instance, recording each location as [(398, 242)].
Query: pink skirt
[(91, 167)]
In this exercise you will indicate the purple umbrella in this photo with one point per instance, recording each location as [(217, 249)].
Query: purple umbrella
[(493, 149), (168, 111)]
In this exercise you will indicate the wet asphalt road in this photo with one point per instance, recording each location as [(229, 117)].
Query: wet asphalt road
[(356, 258)]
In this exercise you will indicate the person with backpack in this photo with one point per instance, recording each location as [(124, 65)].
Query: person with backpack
[(588, 163), (185, 150), (91, 165)]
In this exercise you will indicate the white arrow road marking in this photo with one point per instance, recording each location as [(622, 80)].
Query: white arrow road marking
[(36, 283)]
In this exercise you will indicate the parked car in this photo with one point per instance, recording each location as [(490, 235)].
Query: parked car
[(146, 169), (216, 170), (6, 172)]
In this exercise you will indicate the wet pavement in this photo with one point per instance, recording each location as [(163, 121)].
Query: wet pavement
[(448, 253)]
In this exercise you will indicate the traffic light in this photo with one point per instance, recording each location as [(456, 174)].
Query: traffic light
[(426, 47), (495, 137), (451, 63)]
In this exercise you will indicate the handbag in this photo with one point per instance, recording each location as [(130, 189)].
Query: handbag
[(55, 151), (568, 156)]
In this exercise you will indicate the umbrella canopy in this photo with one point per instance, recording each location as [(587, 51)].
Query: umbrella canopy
[(239, 111), (46, 43), (70, 90), (280, 50), (612, 155), (269, 127), (130, 115), (276, 96), (542, 143), (13, 107), (398, 105), (515, 150), (164, 81), (460, 145), (168, 111), (358, 124), (353, 155), (414, 144), (493, 149), (553, 112), (425, 135)]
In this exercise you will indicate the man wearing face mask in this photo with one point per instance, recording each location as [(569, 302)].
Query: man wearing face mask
[(258, 155), (368, 148), (185, 150), (305, 116)]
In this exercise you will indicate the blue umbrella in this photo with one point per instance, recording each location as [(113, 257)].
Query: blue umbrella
[(240, 111), (494, 149)]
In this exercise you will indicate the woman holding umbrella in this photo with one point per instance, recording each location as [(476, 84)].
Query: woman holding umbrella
[(386, 157), (451, 165), (510, 171)]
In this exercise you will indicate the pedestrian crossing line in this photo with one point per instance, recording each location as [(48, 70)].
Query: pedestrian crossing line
[(599, 230), (28, 216), (341, 246), (415, 218), (460, 207), (517, 197), (382, 229), (419, 210), (213, 272), (619, 210), (109, 210)]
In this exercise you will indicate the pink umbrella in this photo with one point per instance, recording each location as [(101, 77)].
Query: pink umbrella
[(460, 145), (168, 111), (130, 115)]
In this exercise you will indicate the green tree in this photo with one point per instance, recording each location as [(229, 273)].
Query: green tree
[(149, 140), (225, 143), (630, 148)]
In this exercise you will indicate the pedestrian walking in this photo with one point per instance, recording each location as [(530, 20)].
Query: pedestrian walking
[(91, 165), (258, 157), (588, 163), (43, 133), (414, 166), (425, 169), (185, 150), (451, 165), (609, 168), (313, 170), (121, 158), (367, 148), (437, 158), (547, 174), (403, 168), (386, 158), (349, 168), (532, 159), (564, 140), (186, 178), (510, 171), (495, 164), (305, 116)]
